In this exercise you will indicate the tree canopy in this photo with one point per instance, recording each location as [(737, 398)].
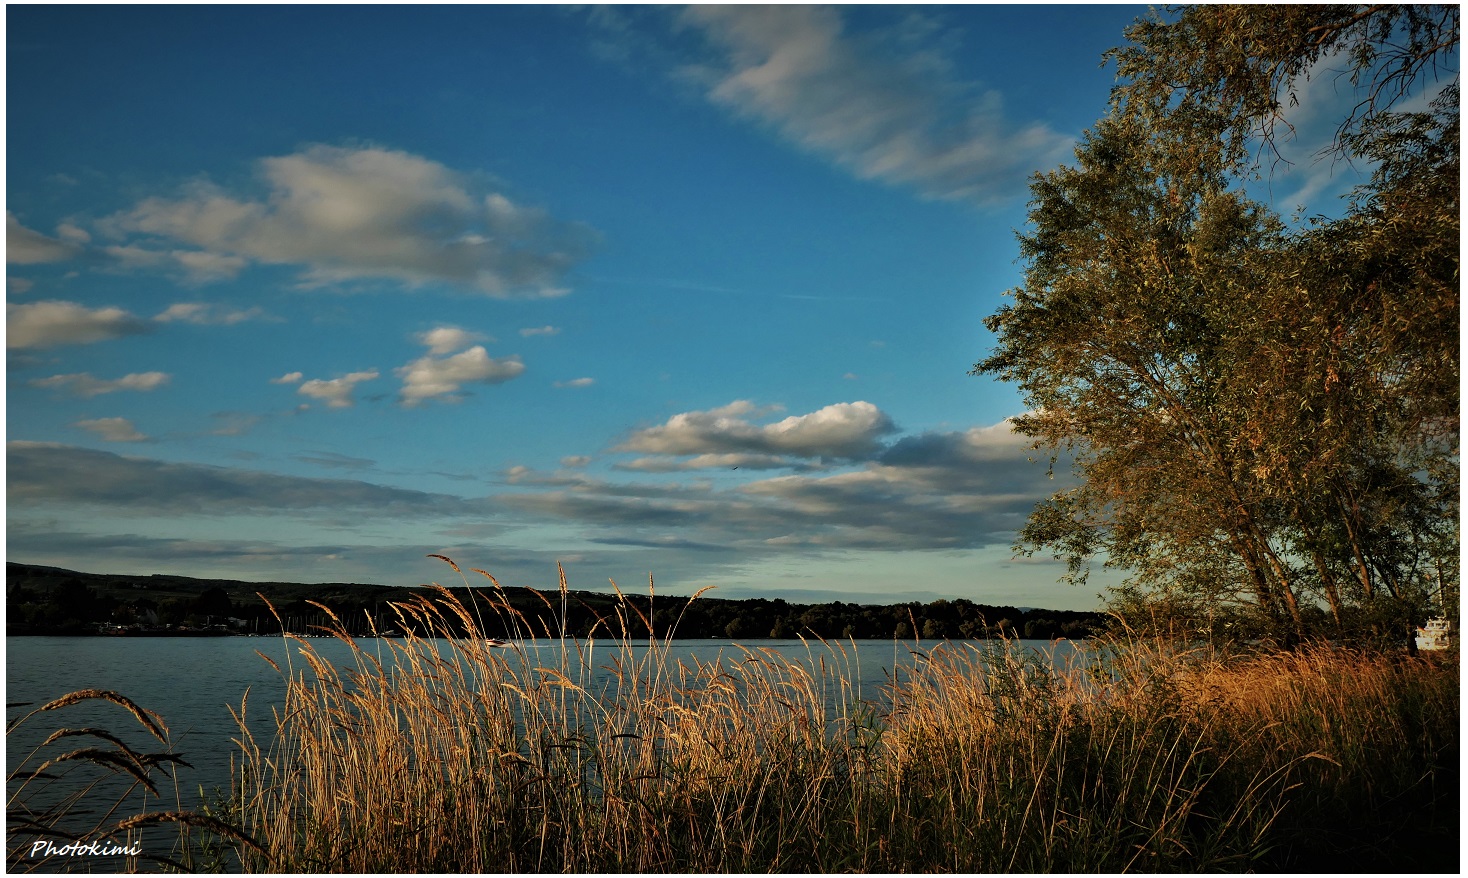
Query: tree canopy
[(1263, 414)]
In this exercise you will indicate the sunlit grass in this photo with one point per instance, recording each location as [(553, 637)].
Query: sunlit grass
[(439, 753)]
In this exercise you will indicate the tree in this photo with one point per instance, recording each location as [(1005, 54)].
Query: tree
[(1216, 80), (1262, 421), (213, 603)]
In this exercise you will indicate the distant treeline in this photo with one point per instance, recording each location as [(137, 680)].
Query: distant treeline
[(49, 600)]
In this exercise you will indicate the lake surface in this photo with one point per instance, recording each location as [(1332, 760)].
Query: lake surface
[(192, 683)]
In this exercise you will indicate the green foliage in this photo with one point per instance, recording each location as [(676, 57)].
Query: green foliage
[(1264, 417)]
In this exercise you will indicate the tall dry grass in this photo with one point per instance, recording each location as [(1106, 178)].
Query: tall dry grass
[(438, 753), (81, 798)]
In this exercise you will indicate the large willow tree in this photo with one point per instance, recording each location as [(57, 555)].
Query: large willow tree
[(1263, 416)]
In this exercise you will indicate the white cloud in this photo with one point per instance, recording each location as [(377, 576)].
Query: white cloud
[(575, 460), (447, 339), (18, 285), (540, 330), (337, 392), (367, 214), (84, 385), (24, 246), (576, 382), (441, 378), (843, 430), (112, 429), (869, 102), (73, 233), (51, 323), (205, 314), (288, 378)]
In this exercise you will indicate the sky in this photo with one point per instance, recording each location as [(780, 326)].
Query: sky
[(309, 293)]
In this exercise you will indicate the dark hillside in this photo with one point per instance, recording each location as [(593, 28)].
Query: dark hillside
[(51, 600)]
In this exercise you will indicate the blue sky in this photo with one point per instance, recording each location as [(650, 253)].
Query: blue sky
[(306, 293)]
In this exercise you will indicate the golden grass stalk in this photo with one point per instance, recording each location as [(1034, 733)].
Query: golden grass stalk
[(76, 795), (435, 752)]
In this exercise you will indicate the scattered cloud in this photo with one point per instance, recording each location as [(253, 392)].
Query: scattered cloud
[(73, 234), (939, 490), (336, 392), (850, 376), (432, 377), (870, 101), (202, 266), (112, 429), (540, 330), (714, 461), (229, 555), (25, 246), (998, 442), (129, 258), (576, 382), (52, 323), (234, 423), (18, 285), (288, 378), (372, 214), (204, 314), (447, 339), (84, 385), (848, 430), (195, 266), (49, 473)]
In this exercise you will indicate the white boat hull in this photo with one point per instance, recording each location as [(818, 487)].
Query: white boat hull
[(1436, 634)]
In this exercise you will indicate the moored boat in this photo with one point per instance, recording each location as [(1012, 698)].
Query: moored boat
[(1436, 634)]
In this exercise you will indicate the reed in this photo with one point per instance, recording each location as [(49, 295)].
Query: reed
[(437, 753), (82, 797)]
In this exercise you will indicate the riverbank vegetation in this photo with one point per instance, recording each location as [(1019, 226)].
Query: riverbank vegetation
[(49, 600), (605, 754), (1150, 756), (1262, 414)]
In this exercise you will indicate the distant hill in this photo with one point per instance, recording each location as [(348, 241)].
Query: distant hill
[(53, 600)]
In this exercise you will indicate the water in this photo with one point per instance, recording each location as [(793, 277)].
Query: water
[(192, 683)]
